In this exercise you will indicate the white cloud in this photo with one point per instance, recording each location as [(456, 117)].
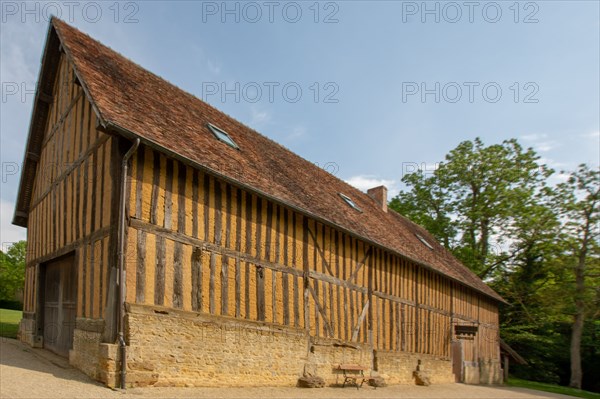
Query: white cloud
[(9, 233), (592, 135), (296, 133), (213, 67), (365, 182), (259, 117), (540, 142), (534, 137), (19, 65), (558, 178)]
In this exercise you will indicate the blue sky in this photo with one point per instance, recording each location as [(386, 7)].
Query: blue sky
[(366, 89)]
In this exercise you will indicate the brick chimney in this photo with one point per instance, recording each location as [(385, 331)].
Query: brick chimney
[(379, 194)]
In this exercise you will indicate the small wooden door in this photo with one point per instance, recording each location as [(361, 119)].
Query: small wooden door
[(457, 360), (60, 300)]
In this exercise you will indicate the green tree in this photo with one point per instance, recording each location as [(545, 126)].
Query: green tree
[(12, 270), (578, 202), (547, 263), (472, 197), (426, 204)]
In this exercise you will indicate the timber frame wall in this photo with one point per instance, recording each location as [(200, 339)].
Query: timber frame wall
[(73, 206), (200, 244)]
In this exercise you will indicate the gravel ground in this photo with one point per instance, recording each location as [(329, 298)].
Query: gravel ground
[(36, 373)]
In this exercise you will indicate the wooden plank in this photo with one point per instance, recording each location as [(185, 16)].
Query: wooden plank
[(212, 283), (351, 297), (417, 318), (330, 306), (321, 309), (206, 205), (110, 330), (278, 220), (159, 279), (260, 291), (246, 290), (238, 287), (154, 209), (361, 318), (238, 220), (382, 316), (286, 235), (140, 283), (268, 231), (225, 285), (218, 224), (391, 326), (337, 313), (258, 232), (197, 279), (305, 265), (97, 287), (178, 275), (181, 198), (141, 160), (285, 298), (248, 221), (296, 301), (228, 215), (106, 188), (168, 211), (195, 184), (366, 334), (306, 305)]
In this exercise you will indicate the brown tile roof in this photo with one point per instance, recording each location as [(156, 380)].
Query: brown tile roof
[(156, 111)]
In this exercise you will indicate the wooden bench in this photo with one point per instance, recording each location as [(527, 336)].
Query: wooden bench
[(353, 373)]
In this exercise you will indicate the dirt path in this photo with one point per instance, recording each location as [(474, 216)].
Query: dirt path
[(35, 373)]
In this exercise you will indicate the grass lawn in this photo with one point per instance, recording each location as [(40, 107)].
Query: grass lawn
[(9, 322), (540, 386)]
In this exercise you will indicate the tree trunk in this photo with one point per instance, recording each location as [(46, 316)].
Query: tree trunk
[(577, 329), (576, 333)]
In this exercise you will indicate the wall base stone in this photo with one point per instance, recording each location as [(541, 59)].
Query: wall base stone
[(167, 347), (27, 332), (85, 354), (326, 354), (399, 367)]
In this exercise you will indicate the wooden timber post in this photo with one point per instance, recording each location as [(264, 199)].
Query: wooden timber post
[(370, 272)]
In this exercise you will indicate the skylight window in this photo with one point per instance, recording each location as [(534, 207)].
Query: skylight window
[(424, 241), (223, 136), (349, 201)]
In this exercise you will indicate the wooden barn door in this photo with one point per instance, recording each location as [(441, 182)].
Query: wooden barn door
[(457, 360), (60, 297)]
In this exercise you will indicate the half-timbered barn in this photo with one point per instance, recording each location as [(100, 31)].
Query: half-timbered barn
[(169, 244)]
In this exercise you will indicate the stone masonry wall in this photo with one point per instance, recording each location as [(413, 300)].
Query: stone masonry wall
[(326, 354), (398, 367), (86, 346), (167, 347)]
